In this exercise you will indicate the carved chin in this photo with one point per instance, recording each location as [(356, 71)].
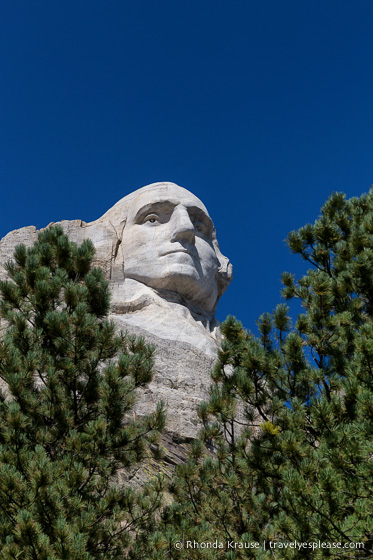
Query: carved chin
[(180, 278), (184, 280), (189, 285)]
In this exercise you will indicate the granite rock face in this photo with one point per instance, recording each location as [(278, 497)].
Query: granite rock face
[(158, 249)]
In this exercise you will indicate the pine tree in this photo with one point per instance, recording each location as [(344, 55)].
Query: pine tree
[(66, 426), (289, 421)]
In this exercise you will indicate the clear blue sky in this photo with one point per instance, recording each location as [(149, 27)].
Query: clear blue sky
[(259, 108)]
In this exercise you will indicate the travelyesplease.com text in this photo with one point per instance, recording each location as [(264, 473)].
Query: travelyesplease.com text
[(269, 544)]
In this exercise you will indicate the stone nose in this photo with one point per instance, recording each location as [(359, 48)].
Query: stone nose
[(182, 228)]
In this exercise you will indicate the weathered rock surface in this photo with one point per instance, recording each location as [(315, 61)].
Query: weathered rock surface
[(158, 249)]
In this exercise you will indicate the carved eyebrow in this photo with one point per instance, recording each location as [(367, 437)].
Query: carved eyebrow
[(154, 207), (169, 205)]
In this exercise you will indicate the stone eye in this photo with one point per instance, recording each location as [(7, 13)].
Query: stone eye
[(152, 218), (199, 226)]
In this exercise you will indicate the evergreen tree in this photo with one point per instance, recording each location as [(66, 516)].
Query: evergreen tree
[(66, 426), (289, 421)]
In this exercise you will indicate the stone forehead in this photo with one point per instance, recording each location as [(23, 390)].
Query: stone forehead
[(154, 192)]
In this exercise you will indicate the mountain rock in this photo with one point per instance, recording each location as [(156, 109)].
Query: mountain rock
[(158, 249)]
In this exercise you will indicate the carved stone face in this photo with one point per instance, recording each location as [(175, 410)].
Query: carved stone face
[(168, 244)]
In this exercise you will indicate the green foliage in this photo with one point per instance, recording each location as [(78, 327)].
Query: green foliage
[(289, 421), (66, 426)]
